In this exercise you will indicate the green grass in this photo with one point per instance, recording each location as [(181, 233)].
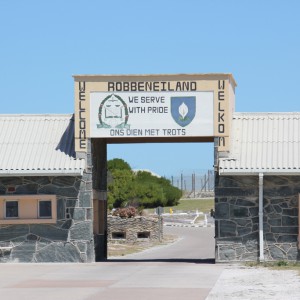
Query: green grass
[(203, 205)]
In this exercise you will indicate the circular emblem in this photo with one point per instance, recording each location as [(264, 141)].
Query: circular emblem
[(113, 112)]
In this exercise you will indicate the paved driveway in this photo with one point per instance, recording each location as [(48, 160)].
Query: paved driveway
[(194, 243), (108, 280), (181, 271)]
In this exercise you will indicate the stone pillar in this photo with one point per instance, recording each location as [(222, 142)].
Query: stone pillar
[(99, 162), (236, 218)]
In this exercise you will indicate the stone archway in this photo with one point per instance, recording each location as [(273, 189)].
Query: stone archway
[(145, 109)]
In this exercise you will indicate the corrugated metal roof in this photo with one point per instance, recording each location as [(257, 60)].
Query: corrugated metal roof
[(264, 143), (38, 145)]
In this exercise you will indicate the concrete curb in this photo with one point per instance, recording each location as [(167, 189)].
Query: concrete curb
[(188, 225)]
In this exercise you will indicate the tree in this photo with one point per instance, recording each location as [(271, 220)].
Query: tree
[(122, 188), (140, 190), (150, 195), (118, 164), (171, 194)]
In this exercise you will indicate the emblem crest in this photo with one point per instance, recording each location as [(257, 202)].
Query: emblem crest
[(183, 110), (113, 113)]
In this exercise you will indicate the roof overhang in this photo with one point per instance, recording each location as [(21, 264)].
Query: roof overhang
[(13, 173), (256, 172), (203, 76)]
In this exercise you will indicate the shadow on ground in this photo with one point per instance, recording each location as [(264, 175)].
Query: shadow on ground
[(171, 260)]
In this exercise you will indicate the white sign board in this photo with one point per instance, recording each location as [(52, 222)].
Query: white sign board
[(151, 114)]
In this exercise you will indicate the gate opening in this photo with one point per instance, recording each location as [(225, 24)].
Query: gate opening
[(119, 109), (189, 226)]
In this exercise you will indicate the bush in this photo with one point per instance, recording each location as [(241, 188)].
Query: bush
[(282, 263), (141, 189), (125, 212)]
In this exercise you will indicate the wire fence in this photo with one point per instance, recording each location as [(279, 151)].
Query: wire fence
[(195, 185)]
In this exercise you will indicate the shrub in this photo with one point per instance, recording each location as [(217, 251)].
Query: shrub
[(282, 263), (125, 212)]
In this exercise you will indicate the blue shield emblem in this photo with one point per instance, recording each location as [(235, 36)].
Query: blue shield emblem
[(183, 110)]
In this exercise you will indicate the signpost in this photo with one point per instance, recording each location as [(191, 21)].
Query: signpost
[(152, 108)]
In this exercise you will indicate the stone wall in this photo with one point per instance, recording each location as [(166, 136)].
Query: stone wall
[(69, 240), (236, 218), (132, 226)]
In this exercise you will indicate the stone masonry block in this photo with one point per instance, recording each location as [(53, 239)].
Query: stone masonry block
[(85, 199), (222, 211), (228, 228)]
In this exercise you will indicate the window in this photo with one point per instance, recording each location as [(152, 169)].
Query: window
[(118, 235), (11, 209), (45, 209), (28, 209), (143, 235)]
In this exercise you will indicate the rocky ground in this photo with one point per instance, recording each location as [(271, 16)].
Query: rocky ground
[(243, 283)]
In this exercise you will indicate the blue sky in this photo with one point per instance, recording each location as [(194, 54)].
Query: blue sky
[(43, 43)]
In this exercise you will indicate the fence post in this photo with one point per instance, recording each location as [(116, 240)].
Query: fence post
[(194, 185), (181, 179)]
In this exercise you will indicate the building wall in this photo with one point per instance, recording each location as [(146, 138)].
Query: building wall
[(237, 221), (132, 226), (70, 239)]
